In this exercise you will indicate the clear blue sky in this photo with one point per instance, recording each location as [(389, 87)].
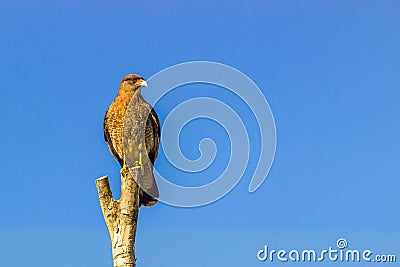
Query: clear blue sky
[(329, 69)]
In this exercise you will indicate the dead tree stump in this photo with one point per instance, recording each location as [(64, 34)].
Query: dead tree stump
[(121, 215)]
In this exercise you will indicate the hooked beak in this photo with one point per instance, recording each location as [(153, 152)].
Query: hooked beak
[(143, 83)]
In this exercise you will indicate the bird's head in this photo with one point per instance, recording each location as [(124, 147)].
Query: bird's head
[(132, 83)]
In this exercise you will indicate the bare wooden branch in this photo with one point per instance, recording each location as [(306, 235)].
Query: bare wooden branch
[(121, 215)]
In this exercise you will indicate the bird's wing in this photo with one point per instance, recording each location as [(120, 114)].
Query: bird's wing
[(152, 137), (109, 140), (149, 193)]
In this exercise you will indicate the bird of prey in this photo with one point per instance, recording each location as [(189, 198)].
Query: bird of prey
[(129, 105)]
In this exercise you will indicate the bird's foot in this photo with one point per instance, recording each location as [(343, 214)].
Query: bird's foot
[(124, 167), (140, 157), (140, 161), (138, 164)]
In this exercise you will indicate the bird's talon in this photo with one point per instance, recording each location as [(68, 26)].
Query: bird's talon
[(124, 167)]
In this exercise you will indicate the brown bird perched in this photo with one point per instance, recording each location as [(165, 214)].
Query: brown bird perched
[(129, 105)]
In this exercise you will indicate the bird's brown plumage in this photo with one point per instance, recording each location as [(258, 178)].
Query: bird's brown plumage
[(113, 126)]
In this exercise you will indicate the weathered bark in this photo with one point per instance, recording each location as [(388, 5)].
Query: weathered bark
[(121, 215)]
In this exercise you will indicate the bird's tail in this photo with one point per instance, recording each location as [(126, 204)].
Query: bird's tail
[(146, 200), (148, 195)]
